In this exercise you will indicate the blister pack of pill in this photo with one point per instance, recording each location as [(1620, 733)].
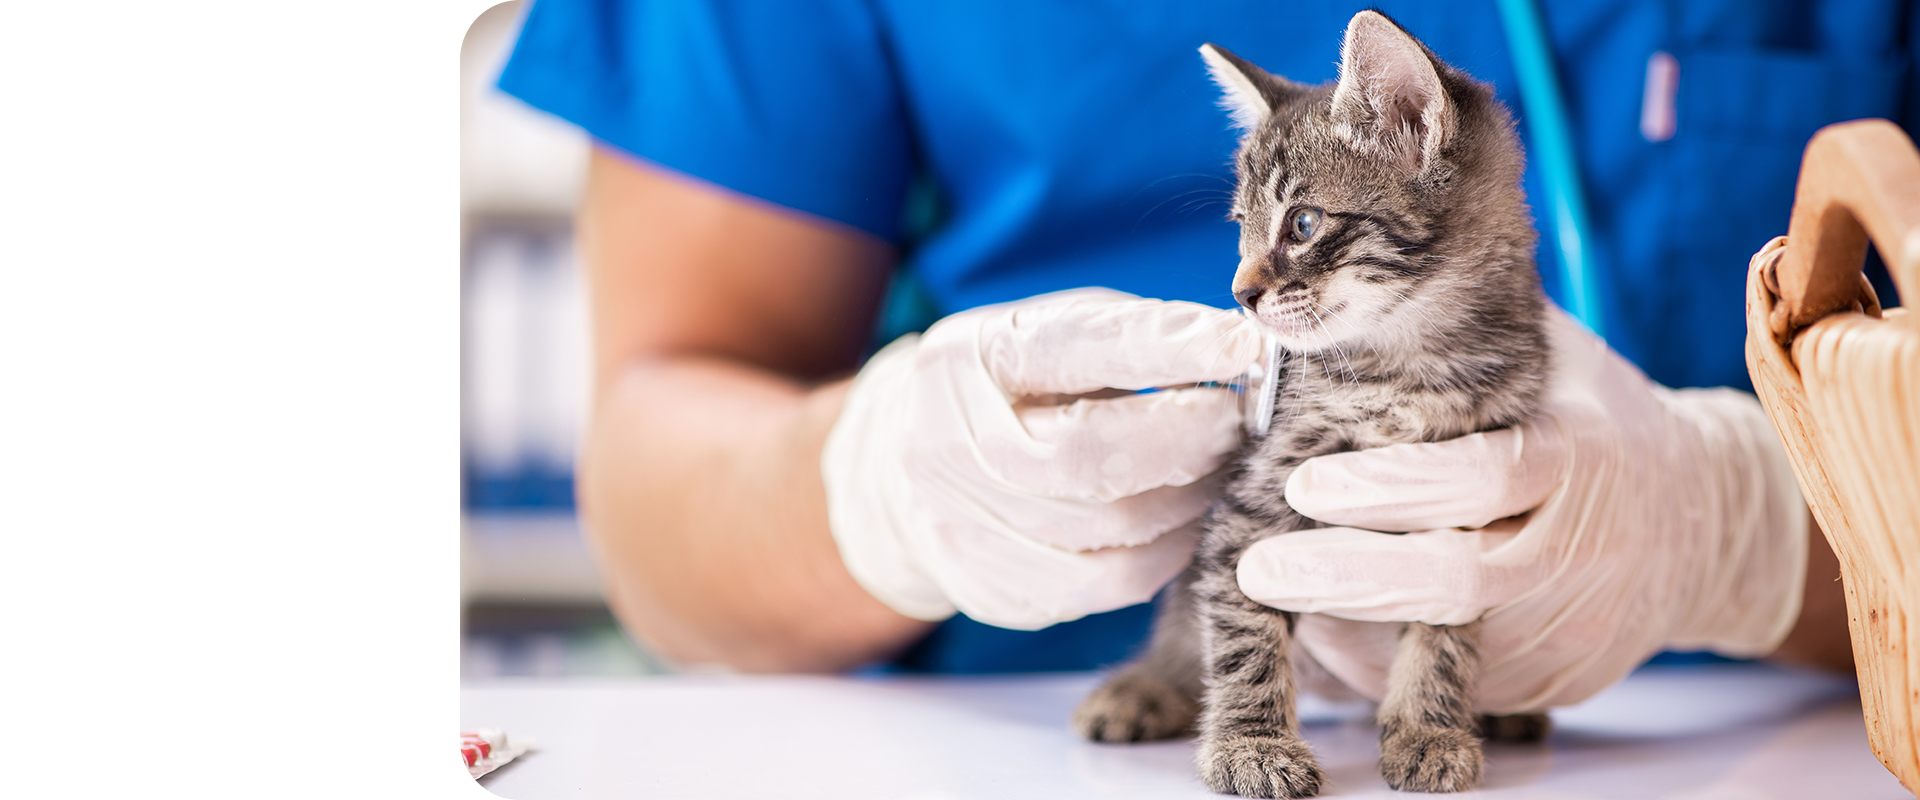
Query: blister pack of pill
[(486, 750)]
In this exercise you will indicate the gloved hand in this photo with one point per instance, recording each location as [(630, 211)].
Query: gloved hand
[(1657, 519), (961, 473)]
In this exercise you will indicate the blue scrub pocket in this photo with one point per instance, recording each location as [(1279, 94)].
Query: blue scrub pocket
[(1743, 116)]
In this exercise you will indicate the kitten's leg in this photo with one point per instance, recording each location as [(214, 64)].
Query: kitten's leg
[(1157, 695), (1250, 741), (1427, 741), (1514, 727)]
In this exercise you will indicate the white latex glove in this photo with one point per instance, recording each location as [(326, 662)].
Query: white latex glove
[(1659, 519), (960, 476)]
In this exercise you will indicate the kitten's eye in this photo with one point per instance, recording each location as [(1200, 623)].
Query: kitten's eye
[(1304, 223)]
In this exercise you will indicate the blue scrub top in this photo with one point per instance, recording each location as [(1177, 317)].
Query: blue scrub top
[(1015, 147)]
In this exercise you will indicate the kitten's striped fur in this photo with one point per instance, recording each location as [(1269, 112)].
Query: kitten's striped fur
[(1412, 311)]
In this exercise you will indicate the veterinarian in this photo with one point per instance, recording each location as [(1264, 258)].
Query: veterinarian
[(770, 181)]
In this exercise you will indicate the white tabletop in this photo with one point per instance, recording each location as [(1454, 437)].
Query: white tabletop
[(1714, 732)]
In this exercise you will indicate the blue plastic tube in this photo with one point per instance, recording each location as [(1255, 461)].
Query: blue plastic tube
[(1553, 152)]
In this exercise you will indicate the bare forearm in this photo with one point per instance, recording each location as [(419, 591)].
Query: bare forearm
[(700, 489)]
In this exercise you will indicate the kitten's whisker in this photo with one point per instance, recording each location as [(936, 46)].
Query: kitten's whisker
[(1165, 200), (1351, 327), (1159, 181), (1219, 343), (1207, 175), (1194, 205), (1313, 307)]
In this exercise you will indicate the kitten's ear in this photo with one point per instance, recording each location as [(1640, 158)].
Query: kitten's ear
[(1248, 93), (1390, 95)]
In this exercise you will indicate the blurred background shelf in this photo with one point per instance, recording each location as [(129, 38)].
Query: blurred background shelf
[(527, 559), (531, 603), (514, 161), (531, 597)]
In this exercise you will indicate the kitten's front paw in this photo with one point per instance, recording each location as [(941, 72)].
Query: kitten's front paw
[(1260, 766), (1514, 727), (1134, 708), (1430, 760)]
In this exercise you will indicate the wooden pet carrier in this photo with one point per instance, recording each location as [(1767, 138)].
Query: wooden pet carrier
[(1840, 376)]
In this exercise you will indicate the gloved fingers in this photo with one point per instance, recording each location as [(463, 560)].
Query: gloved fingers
[(1573, 663), (1125, 576), (1032, 586), (1065, 523), (1107, 449), (1514, 676), (1082, 343), (1466, 482), (1531, 656), (1129, 521), (1440, 577)]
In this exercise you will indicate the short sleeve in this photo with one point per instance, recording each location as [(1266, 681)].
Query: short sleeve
[(792, 103)]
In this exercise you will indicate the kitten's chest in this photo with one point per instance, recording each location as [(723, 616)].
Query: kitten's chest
[(1323, 408), (1315, 418), (1318, 415)]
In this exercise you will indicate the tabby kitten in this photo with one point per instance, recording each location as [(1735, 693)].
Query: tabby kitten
[(1385, 243)]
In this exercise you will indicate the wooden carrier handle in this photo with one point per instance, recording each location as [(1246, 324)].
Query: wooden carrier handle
[(1858, 179)]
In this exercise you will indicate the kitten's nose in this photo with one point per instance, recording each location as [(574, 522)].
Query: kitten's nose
[(1248, 297)]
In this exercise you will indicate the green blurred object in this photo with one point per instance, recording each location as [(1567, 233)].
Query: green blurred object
[(501, 640)]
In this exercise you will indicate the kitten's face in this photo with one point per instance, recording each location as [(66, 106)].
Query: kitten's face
[(1369, 209), (1324, 242)]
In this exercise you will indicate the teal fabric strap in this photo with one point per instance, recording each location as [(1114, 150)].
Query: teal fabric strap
[(1553, 150)]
